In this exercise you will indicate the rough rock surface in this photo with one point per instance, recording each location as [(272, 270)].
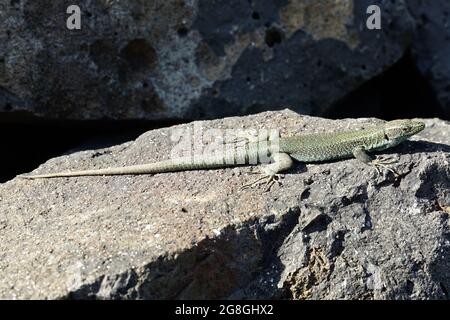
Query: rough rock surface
[(332, 230), (186, 59), (432, 45)]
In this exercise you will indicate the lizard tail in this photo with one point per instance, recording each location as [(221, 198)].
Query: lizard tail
[(180, 164), (95, 172)]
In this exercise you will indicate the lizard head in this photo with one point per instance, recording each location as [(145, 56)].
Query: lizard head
[(397, 131)]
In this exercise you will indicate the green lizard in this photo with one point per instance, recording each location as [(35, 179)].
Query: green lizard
[(306, 148)]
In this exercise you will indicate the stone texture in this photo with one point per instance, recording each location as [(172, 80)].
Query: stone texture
[(186, 59), (432, 45), (333, 230)]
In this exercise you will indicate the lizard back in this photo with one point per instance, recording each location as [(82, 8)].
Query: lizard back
[(332, 146)]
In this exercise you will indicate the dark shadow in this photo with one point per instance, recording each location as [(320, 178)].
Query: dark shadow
[(412, 147), (26, 144), (212, 269), (399, 92)]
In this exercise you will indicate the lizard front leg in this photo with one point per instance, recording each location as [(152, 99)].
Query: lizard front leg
[(281, 162), (361, 155)]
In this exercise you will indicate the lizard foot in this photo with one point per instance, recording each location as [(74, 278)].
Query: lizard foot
[(268, 180), (380, 163), (282, 162)]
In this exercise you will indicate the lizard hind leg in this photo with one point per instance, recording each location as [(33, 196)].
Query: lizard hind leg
[(270, 172)]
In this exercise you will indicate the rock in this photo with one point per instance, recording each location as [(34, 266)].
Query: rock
[(431, 48), (181, 59), (332, 230)]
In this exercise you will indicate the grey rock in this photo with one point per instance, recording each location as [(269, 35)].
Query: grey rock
[(431, 47), (332, 230), (186, 59)]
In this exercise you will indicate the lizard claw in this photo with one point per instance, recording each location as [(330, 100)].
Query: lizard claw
[(381, 163), (268, 180)]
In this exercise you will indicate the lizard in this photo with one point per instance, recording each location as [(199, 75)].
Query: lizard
[(306, 148)]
